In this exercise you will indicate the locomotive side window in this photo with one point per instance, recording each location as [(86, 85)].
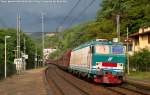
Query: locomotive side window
[(92, 49)]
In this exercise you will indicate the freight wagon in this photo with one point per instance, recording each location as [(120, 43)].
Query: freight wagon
[(64, 61), (101, 60)]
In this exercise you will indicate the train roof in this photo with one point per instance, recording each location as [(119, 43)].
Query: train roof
[(97, 42)]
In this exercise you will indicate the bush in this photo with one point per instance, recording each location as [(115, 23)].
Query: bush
[(140, 61)]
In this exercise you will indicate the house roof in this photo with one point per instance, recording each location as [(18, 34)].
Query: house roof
[(134, 34), (137, 34)]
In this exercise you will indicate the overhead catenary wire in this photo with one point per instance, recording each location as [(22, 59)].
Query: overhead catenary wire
[(69, 13), (82, 12)]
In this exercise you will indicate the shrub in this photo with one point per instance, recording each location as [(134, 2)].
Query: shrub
[(140, 60)]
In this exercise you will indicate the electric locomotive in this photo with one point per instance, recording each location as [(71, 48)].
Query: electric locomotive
[(101, 60)]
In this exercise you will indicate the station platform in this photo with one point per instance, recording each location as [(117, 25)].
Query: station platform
[(28, 83)]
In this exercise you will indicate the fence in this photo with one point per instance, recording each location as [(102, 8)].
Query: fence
[(11, 69)]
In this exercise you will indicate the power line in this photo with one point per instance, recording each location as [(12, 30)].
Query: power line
[(69, 13), (84, 10)]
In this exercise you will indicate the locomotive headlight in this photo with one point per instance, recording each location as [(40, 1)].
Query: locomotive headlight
[(98, 65), (120, 65)]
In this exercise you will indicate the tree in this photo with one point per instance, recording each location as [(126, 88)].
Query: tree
[(11, 46), (133, 14)]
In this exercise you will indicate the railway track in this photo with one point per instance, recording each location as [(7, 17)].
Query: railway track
[(85, 93), (57, 76), (98, 86), (128, 89), (124, 91), (49, 80), (136, 89), (63, 82)]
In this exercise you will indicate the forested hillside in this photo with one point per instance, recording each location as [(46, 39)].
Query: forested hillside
[(133, 14)]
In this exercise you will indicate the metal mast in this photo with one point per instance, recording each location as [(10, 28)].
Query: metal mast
[(18, 44), (128, 51), (42, 14), (17, 35), (118, 27), (19, 30), (24, 62), (24, 45)]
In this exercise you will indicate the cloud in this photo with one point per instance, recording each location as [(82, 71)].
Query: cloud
[(54, 14)]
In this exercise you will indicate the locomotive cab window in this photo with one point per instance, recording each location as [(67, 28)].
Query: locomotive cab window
[(118, 49), (102, 49)]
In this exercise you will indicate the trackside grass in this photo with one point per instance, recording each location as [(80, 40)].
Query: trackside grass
[(140, 75)]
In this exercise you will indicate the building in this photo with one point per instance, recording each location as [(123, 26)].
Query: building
[(47, 52), (50, 34), (141, 39), (39, 34)]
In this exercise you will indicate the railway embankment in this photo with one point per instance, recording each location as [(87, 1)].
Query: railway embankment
[(139, 78)]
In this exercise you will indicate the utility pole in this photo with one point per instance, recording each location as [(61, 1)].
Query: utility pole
[(24, 45), (118, 27), (127, 51), (18, 44), (17, 63), (35, 58), (17, 35), (24, 61), (42, 14)]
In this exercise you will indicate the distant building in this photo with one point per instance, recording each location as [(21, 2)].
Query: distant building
[(49, 34), (47, 52), (39, 34), (141, 39)]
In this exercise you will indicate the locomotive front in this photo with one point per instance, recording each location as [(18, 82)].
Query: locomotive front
[(108, 62)]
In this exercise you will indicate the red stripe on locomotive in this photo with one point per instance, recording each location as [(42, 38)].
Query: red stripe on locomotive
[(108, 64)]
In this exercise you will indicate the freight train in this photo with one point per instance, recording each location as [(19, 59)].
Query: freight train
[(100, 60)]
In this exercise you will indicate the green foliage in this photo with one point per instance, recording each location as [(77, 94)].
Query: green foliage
[(73, 37), (133, 13), (141, 60), (55, 55), (30, 50), (139, 75), (11, 46)]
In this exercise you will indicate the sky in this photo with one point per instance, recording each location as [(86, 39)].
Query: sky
[(54, 13)]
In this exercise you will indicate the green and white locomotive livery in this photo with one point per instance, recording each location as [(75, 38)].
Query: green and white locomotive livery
[(102, 60)]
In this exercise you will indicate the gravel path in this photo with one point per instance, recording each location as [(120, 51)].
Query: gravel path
[(28, 83)]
